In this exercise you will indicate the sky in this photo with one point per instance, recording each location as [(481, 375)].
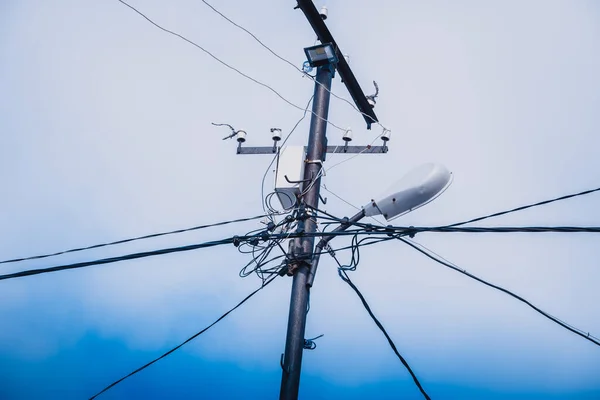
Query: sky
[(105, 134)]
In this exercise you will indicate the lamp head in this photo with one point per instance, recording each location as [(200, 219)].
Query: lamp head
[(417, 188)]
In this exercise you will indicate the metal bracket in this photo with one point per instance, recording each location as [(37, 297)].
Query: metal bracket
[(257, 150), (341, 149), (357, 149)]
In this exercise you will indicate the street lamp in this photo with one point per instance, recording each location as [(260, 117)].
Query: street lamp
[(415, 189)]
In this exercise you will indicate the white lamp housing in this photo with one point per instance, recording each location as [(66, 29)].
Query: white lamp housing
[(417, 188)]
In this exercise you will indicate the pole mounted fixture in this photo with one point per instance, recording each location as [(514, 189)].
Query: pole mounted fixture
[(321, 54), (318, 24), (418, 187)]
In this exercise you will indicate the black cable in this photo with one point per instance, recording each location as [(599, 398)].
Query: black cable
[(506, 229), (183, 343), (571, 328), (133, 256), (346, 279), (541, 203), (370, 231), (231, 240), (153, 235), (110, 260)]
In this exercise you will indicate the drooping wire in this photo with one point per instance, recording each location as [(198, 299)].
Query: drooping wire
[(153, 235), (346, 279), (184, 342), (225, 64), (294, 65), (256, 264), (423, 250)]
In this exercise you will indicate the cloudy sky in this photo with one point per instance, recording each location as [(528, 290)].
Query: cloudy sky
[(105, 134)]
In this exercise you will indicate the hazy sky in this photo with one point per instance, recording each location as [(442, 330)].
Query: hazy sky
[(106, 134)]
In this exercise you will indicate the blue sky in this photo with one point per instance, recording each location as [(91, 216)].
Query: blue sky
[(105, 134)]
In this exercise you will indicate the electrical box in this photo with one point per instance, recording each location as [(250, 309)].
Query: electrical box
[(290, 164)]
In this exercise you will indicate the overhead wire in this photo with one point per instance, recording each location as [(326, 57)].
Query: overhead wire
[(366, 229), (110, 260), (226, 64), (152, 253), (133, 239), (290, 62), (541, 203), (503, 229), (171, 351), (423, 250)]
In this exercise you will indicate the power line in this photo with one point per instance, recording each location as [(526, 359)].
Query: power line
[(541, 203), (508, 229), (454, 267), (224, 63), (110, 260), (153, 235), (366, 229), (346, 279), (184, 342), (290, 63), (236, 240)]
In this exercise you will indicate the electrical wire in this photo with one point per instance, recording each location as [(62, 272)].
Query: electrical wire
[(226, 64), (504, 229), (541, 203), (423, 250), (364, 229), (153, 235), (346, 279), (184, 342), (292, 64), (357, 154), (110, 260)]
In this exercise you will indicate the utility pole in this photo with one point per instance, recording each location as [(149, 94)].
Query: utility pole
[(303, 247), (328, 58)]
